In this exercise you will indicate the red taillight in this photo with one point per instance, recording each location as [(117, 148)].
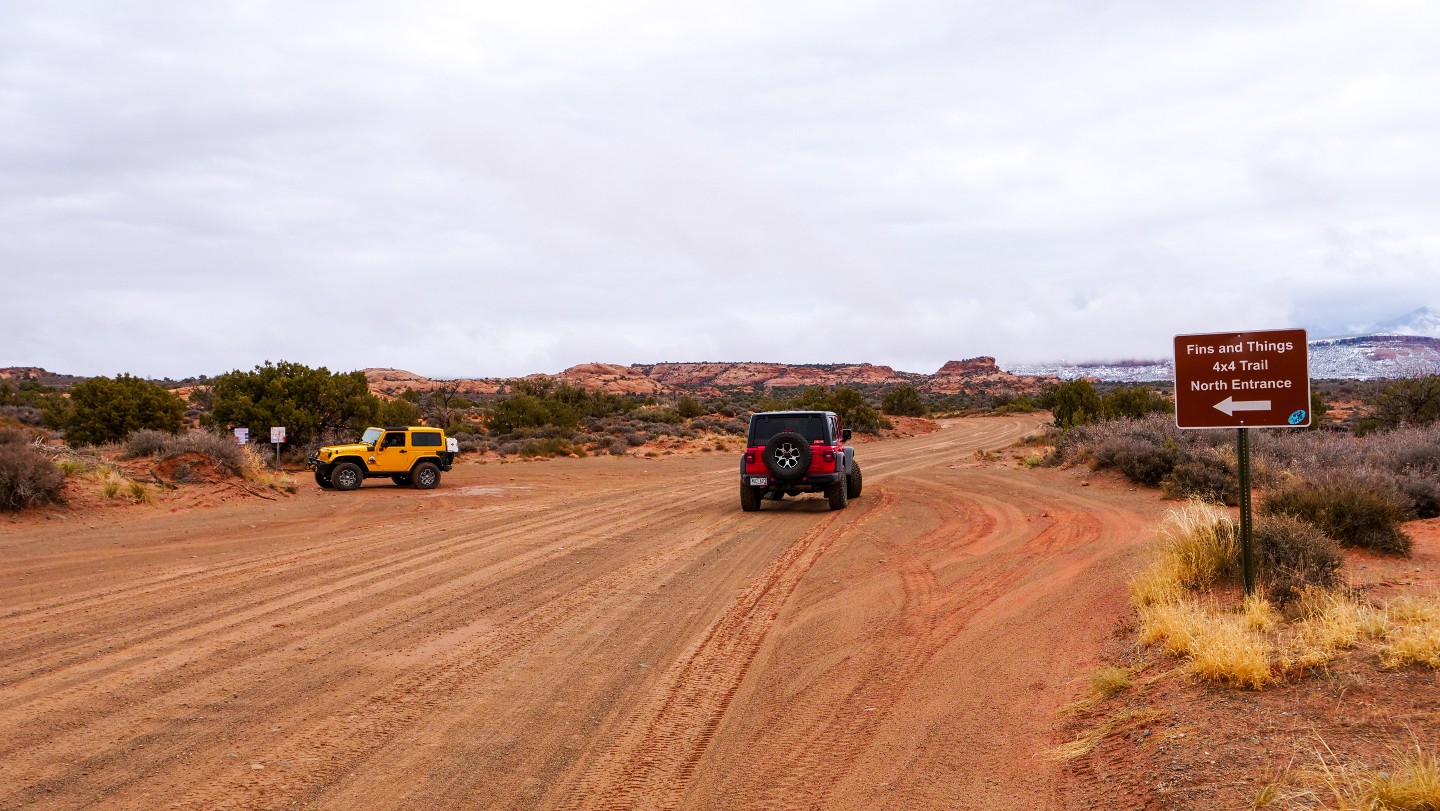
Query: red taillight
[(750, 457), (830, 456)]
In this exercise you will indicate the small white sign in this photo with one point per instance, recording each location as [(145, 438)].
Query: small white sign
[(277, 435), (242, 435)]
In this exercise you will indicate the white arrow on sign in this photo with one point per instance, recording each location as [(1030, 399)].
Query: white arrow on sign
[(1230, 405)]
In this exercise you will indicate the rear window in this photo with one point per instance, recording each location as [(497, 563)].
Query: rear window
[(429, 439), (765, 426)]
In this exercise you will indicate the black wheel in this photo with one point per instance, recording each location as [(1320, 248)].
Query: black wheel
[(346, 476), (749, 498), (426, 475), (836, 494), (403, 479), (787, 455), (853, 480), (323, 480)]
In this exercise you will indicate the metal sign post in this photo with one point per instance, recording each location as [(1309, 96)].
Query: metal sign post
[(1264, 379), (277, 438)]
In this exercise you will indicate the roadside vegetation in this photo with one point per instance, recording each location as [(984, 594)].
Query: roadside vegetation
[(1318, 493)]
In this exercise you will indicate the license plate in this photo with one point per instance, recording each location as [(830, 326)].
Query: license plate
[(758, 481)]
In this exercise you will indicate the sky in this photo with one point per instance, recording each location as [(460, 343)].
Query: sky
[(476, 189)]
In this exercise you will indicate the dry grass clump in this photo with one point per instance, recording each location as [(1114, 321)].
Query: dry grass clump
[(72, 467), (113, 484), (110, 483), (252, 468), (1410, 783), (1412, 633), (1219, 647), (1327, 624), (1195, 547), (1088, 740), (1251, 645)]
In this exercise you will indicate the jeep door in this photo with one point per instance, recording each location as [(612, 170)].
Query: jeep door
[(392, 454)]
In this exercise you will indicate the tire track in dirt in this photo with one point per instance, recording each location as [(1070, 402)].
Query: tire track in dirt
[(655, 756), (658, 747), (279, 598), (169, 684), (336, 745)]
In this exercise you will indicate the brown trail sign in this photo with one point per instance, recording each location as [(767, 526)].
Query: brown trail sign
[(1243, 380)]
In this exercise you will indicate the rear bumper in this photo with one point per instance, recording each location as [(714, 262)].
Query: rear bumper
[(819, 481)]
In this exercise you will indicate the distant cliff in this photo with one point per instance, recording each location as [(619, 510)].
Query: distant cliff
[(957, 376)]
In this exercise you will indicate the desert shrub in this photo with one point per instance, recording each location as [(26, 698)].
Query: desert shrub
[(475, 443), (13, 436), (148, 442), (618, 447), (688, 407), (1412, 401), (903, 401), (27, 415), (655, 414), (224, 451), (307, 402), (1020, 405), (635, 440), (1352, 511), (1206, 477), (1421, 495), (103, 409), (27, 478), (553, 446), (1292, 554), (1140, 460), (847, 403), (1134, 402), (1073, 403)]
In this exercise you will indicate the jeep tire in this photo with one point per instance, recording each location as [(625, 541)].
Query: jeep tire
[(426, 476), (787, 456), (749, 498), (837, 493), (853, 481), (323, 480), (346, 476)]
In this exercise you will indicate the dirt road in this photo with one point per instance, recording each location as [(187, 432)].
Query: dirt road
[(580, 634)]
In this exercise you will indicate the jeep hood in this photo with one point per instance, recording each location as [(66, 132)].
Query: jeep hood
[(355, 448)]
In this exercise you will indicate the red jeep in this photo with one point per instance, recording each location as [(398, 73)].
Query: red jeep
[(793, 452)]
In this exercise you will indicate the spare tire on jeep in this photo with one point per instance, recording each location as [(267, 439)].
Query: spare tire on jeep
[(787, 455)]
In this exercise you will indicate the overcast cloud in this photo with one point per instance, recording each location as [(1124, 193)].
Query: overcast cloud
[(480, 189)]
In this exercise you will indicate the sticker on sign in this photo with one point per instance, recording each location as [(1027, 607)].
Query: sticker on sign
[(1242, 380)]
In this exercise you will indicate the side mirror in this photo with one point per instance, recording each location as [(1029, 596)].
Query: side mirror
[(844, 434), (370, 447)]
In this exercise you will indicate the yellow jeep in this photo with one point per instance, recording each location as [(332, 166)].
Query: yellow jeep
[(406, 454)]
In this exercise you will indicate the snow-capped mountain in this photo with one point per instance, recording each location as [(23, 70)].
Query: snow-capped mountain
[(1399, 347), (1424, 321)]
